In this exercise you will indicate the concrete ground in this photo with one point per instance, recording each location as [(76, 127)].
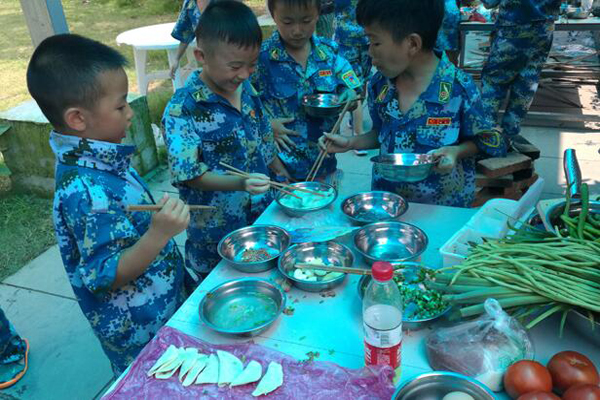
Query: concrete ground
[(66, 361)]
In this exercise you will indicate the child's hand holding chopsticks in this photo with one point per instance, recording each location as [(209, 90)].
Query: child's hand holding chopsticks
[(172, 219)]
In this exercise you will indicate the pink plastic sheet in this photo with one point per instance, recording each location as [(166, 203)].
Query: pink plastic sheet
[(314, 380)]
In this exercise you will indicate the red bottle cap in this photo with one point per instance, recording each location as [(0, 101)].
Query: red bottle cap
[(382, 271)]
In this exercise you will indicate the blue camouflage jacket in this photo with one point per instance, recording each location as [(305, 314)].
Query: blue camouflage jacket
[(522, 12), (94, 184), (202, 129), (347, 31), (447, 113), (185, 27), (282, 83)]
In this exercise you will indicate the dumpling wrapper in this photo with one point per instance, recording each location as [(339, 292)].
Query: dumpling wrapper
[(251, 373), (189, 359), (168, 369), (229, 367), (210, 374), (167, 357), (272, 380), (201, 361)]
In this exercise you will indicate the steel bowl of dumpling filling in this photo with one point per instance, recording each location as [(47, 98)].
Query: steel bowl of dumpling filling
[(254, 248), (314, 197), (300, 263)]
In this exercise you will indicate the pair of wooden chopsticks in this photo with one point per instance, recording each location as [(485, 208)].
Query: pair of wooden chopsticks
[(279, 186), (345, 270), (158, 207), (312, 174)]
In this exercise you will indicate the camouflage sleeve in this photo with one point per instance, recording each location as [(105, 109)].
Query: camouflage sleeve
[(345, 74), (476, 125), (184, 145), (101, 237), (371, 103), (185, 27)]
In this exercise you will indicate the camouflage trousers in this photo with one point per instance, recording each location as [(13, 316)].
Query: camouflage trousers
[(516, 58)]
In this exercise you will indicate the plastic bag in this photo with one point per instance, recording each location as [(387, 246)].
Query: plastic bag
[(483, 348)]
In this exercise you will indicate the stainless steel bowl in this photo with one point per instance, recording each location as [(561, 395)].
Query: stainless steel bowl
[(331, 252), (408, 323), (581, 323), (273, 239), (577, 12), (245, 306), (403, 167), (390, 241), (368, 207), (553, 214), (437, 384), (299, 211), (322, 105)]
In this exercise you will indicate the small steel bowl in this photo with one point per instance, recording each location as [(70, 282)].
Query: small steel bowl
[(577, 12), (580, 321), (246, 306), (553, 214), (408, 323), (332, 252), (316, 186), (322, 105), (368, 207), (273, 239), (390, 241), (435, 385), (404, 167)]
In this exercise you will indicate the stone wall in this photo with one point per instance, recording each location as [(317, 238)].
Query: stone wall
[(28, 155)]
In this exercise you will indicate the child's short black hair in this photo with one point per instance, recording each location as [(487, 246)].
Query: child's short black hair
[(404, 17), (63, 72), (294, 3), (228, 21)]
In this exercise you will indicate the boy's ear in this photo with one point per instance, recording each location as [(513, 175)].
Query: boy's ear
[(415, 43), (199, 54), (74, 118)]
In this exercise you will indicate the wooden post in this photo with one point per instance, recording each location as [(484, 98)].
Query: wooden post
[(44, 18)]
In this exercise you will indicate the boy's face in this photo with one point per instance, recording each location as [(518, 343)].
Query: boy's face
[(111, 115), (389, 57), (295, 24), (227, 65)]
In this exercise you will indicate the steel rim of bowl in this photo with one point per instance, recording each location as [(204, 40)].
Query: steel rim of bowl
[(280, 195), (440, 375), (286, 235), (416, 255), (403, 207), (379, 159), (216, 328), (313, 283), (306, 101)]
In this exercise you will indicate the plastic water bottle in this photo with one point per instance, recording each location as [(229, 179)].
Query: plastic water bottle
[(382, 318)]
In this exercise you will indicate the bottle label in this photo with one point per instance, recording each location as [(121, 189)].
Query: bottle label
[(383, 338), (383, 356)]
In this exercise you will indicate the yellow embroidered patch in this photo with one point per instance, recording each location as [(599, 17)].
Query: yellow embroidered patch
[(383, 93), (445, 90), (490, 138), (350, 79)]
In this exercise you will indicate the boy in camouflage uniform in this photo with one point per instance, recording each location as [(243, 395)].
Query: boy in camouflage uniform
[(125, 269), (185, 27), (420, 103), (448, 38), (293, 63), (519, 49), (218, 117)]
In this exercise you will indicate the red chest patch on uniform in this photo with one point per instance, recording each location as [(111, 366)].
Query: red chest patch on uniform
[(325, 72), (431, 121)]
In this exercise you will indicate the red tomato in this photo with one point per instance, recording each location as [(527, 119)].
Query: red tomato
[(527, 376), (539, 396), (569, 368), (582, 392)]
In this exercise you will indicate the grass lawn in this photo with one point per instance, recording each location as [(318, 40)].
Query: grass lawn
[(25, 221)]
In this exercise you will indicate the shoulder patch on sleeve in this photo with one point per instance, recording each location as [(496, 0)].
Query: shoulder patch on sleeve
[(350, 79), (445, 91)]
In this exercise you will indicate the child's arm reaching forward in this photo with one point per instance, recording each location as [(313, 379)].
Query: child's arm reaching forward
[(172, 219), (211, 181)]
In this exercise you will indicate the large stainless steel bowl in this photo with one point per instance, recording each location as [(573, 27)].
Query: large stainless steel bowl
[(368, 207), (577, 12), (245, 306), (403, 167), (435, 385), (330, 252), (390, 241), (583, 324), (271, 238), (300, 211), (553, 214), (322, 105), (410, 272)]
